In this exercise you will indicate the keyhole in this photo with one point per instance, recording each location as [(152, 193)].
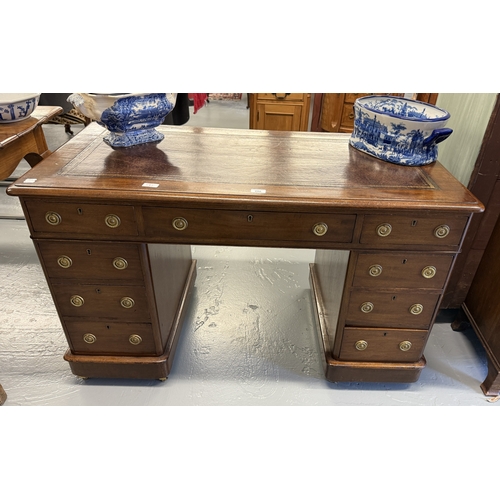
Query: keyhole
[(250, 218), (89, 252), (413, 223), (393, 297), (405, 261), (97, 290), (80, 211)]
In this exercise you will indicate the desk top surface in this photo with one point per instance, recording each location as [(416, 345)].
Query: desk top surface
[(230, 167)]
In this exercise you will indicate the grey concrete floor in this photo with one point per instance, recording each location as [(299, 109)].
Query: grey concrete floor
[(249, 337)]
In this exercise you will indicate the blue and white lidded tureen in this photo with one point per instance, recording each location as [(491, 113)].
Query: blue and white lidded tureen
[(399, 130), (130, 118)]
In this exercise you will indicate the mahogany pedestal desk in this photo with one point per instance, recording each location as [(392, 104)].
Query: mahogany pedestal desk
[(25, 139), (113, 230)]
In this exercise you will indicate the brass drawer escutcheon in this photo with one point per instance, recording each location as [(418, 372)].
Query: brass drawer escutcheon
[(135, 339), (89, 338), (53, 218), (64, 261), (320, 229), (127, 302), (77, 301), (442, 231), (375, 270), (180, 223), (405, 345), (120, 263), (429, 272), (367, 307), (384, 230), (361, 345), (416, 309), (112, 221)]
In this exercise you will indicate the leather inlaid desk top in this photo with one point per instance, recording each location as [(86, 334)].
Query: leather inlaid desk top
[(228, 166)]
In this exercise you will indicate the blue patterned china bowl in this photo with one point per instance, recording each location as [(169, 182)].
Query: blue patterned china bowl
[(130, 118), (17, 107), (399, 130)]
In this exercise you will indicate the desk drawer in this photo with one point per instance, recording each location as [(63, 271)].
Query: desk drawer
[(75, 260), (216, 226), (401, 230), (81, 218), (90, 337), (391, 309), (123, 303), (403, 270), (385, 345)]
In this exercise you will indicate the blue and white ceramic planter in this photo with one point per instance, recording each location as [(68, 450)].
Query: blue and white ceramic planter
[(130, 118), (17, 107), (399, 130)]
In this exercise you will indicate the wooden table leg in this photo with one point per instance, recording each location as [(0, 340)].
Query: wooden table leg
[(3, 396)]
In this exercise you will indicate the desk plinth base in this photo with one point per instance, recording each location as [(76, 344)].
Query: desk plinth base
[(136, 367), (356, 371)]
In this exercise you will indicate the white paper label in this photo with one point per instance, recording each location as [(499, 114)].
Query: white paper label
[(150, 185), (29, 181), (258, 191)]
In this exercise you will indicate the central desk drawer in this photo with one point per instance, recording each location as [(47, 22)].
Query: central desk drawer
[(216, 226)]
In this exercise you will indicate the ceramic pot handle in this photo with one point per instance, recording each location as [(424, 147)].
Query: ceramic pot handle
[(437, 136)]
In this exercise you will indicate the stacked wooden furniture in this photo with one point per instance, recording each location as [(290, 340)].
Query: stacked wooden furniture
[(113, 230), (286, 112)]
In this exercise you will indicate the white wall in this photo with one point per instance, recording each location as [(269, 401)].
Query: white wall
[(470, 114)]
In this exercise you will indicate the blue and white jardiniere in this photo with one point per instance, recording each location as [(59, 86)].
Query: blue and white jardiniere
[(399, 130), (130, 118)]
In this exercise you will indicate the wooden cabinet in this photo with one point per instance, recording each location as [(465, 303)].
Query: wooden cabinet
[(482, 306), (287, 112)]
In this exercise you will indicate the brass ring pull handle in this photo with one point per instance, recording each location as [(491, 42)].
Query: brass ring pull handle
[(361, 345), (367, 307), (429, 272), (416, 309), (281, 96), (53, 218), (89, 338), (64, 261), (375, 270), (405, 345), (384, 230), (135, 339), (77, 300), (320, 229), (112, 221), (120, 263), (442, 231), (127, 302), (180, 223)]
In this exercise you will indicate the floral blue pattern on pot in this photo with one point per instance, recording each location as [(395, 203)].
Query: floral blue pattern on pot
[(130, 118), (399, 130)]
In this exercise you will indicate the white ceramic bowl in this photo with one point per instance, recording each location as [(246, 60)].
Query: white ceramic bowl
[(130, 118), (16, 107)]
